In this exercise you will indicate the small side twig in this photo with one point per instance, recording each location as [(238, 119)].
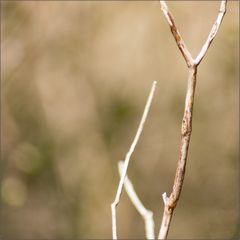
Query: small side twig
[(180, 43), (186, 129), (145, 213), (127, 159), (212, 33)]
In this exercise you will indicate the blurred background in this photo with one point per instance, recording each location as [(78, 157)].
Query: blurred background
[(75, 77)]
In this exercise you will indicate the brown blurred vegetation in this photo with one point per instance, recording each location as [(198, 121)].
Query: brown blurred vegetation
[(74, 80)]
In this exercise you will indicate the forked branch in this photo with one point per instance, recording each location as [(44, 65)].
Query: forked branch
[(186, 129)]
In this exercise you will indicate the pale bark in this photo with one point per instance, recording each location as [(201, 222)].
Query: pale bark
[(145, 213), (127, 159)]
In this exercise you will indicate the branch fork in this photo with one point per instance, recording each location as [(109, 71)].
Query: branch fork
[(186, 129), (179, 40)]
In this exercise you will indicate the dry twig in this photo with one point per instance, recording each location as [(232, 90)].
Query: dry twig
[(186, 129), (127, 159), (180, 43), (145, 213), (212, 33)]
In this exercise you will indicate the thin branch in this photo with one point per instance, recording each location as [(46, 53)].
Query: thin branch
[(145, 213), (180, 43), (186, 129), (212, 33), (127, 159)]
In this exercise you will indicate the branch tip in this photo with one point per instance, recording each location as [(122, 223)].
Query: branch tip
[(165, 198), (164, 6)]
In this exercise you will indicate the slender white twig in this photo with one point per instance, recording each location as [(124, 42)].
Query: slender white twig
[(186, 129), (212, 33), (127, 159), (180, 43), (145, 213)]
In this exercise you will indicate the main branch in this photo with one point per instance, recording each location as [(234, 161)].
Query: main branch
[(171, 202), (186, 129)]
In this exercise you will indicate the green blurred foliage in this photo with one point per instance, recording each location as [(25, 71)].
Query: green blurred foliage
[(74, 80)]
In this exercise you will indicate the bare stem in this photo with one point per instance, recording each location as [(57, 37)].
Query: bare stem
[(186, 129), (127, 159), (145, 213), (171, 202)]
